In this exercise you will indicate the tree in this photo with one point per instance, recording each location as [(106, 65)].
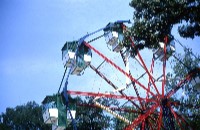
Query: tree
[(23, 117), (89, 117), (189, 102), (154, 20), (129, 112)]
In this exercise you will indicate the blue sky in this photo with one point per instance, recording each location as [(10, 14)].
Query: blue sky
[(32, 35)]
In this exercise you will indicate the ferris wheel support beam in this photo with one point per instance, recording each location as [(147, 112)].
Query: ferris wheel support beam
[(133, 44), (118, 68), (109, 82), (164, 65), (154, 120), (112, 112), (151, 71), (143, 67), (133, 83), (175, 115), (183, 120), (103, 95), (112, 108), (150, 125), (142, 117), (170, 93)]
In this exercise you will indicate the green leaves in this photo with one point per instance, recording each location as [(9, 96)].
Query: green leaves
[(190, 99), (90, 117), (27, 116), (154, 19)]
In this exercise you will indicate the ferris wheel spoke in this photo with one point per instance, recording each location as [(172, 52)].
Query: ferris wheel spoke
[(110, 83), (112, 108), (118, 68), (107, 95), (176, 117), (112, 112), (150, 125), (183, 120), (164, 65), (133, 83), (151, 71), (143, 124), (142, 117), (155, 121), (143, 64), (180, 84)]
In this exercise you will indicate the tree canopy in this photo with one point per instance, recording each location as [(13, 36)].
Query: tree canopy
[(23, 117), (189, 101), (154, 19)]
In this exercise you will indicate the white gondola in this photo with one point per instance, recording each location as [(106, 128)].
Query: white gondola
[(170, 49)]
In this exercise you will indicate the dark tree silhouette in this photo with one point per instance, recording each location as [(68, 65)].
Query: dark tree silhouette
[(154, 19)]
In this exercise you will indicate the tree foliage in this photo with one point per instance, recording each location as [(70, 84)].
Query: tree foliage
[(89, 117), (154, 19), (23, 117), (189, 101), (126, 113)]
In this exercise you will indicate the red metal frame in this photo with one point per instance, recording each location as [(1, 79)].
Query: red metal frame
[(144, 114), (151, 71), (138, 53), (110, 83), (141, 118), (175, 115), (112, 108), (170, 93), (164, 66), (104, 95), (118, 68), (133, 84)]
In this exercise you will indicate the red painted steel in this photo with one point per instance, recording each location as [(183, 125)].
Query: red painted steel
[(145, 67), (104, 95), (118, 68), (141, 118)]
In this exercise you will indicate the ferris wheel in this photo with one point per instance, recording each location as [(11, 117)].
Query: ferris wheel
[(130, 72)]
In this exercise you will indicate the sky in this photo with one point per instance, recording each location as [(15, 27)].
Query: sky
[(32, 33)]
